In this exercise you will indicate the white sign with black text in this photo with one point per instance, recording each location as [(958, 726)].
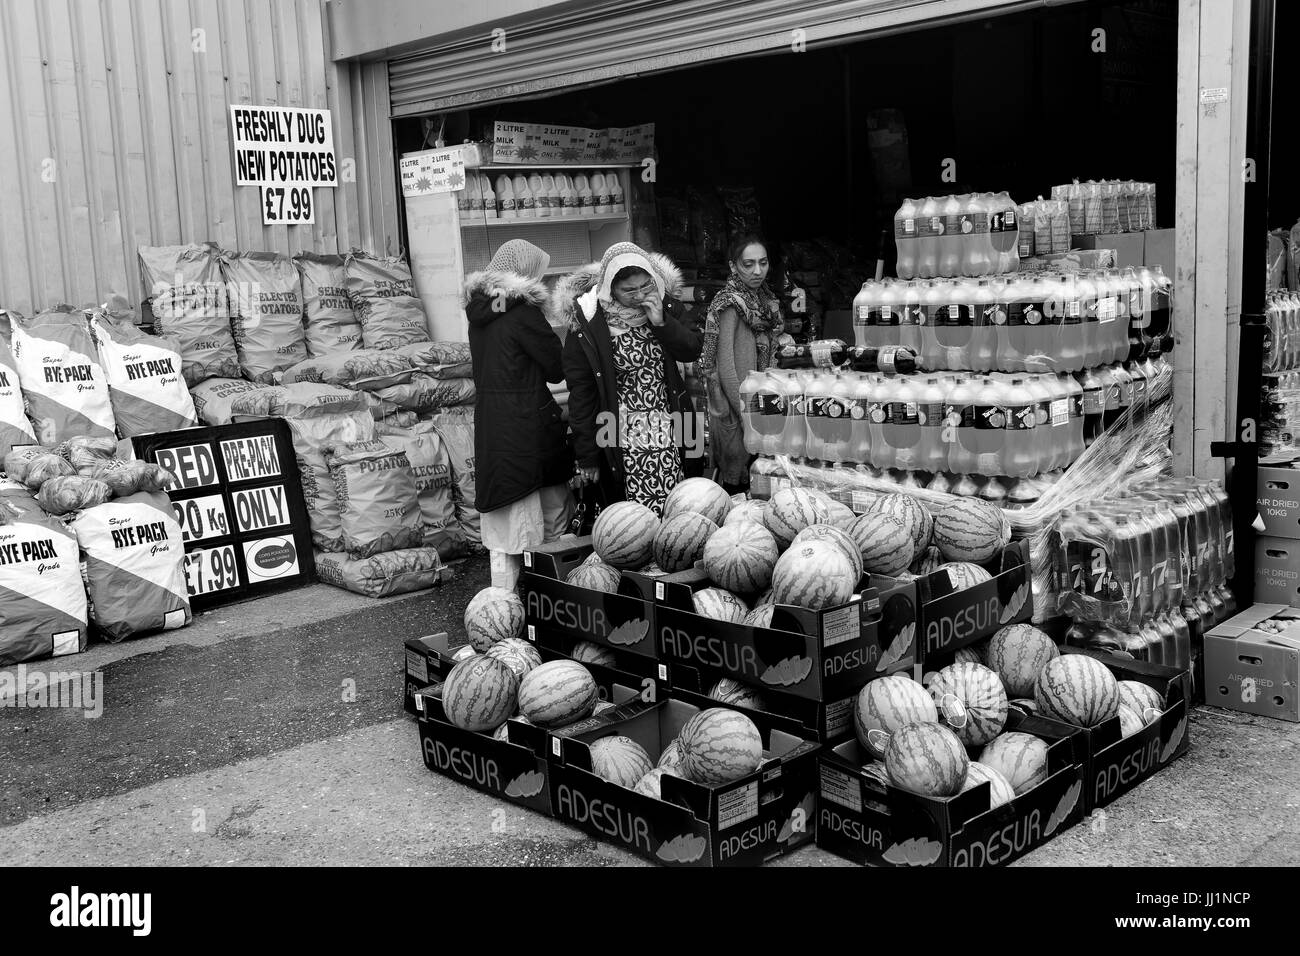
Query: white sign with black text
[(288, 152)]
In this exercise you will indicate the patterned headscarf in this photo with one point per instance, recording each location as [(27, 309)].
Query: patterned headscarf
[(757, 308), (620, 256), (520, 257)]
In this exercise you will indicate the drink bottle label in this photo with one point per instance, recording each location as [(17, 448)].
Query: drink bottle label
[(1094, 401), (989, 417), (1021, 417), (930, 413), (1060, 412), (833, 408), (856, 409), (1107, 309)]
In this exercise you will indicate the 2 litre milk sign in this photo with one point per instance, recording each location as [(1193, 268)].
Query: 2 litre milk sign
[(239, 503)]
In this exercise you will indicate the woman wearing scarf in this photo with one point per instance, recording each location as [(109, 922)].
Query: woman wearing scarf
[(522, 459), (740, 336), (634, 425)]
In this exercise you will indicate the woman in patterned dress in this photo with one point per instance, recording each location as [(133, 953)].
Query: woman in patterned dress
[(635, 428)]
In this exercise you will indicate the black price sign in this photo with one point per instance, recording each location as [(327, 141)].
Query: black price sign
[(240, 507)]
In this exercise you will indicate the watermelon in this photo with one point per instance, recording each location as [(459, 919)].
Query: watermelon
[(1021, 759), (719, 746), (620, 760), (927, 562), (1077, 689), (1130, 722), (974, 654), (479, 694), (837, 536), (926, 759), (750, 510), (680, 540), (760, 616), (767, 597), (1139, 697), (733, 692), (649, 785), (969, 529), (719, 605), (965, 575), (557, 693), (1018, 653), (587, 652), (1000, 791), (839, 515), (493, 615), (790, 511), (700, 495), (673, 759), (877, 772), (503, 734), (885, 705), (624, 535), (601, 707), (980, 710), (910, 513), (815, 575), (595, 576), (886, 544), (515, 653), (740, 557), (466, 652)]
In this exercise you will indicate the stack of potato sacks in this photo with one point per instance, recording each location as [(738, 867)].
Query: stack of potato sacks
[(381, 417)]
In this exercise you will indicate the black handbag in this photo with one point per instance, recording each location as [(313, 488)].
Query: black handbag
[(589, 500)]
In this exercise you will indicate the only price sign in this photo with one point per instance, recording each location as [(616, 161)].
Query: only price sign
[(287, 205)]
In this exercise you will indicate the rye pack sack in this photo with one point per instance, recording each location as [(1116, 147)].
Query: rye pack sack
[(64, 384), (265, 313), (190, 304), (135, 565), (383, 296), (377, 499), (42, 599), (15, 429), (332, 326), (145, 384)]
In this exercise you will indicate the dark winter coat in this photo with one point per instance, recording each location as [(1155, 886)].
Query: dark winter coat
[(519, 433), (591, 376)]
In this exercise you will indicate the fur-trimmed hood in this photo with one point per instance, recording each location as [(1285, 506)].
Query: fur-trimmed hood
[(479, 295), (562, 309)]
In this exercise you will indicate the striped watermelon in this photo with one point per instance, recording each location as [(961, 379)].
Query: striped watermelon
[(973, 654), (1018, 653), (887, 545), (815, 575), (910, 513), (839, 515), (596, 576), (601, 707), (624, 535), (767, 597), (877, 772), (1000, 791), (587, 652), (700, 495), (466, 652), (1140, 696), (479, 694), (926, 759), (493, 615), (720, 745), (1077, 689), (1021, 759), (790, 511), (557, 693), (885, 705), (760, 616), (733, 692), (515, 653), (981, 710), (969, 529), (740, 557), (719, 605), (680, 540), (750, 510), (1129, 721), (620, 760), (965, 575), (649, 785), (927, 562), (837, 536), (673, 759)]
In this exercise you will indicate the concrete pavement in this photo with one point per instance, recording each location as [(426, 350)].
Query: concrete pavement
[(271, 733)]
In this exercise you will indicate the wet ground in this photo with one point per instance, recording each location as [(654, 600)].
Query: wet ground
[(272, 733)]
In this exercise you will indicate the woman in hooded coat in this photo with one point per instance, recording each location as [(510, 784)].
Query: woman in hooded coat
[(522, 460), (635, 429)]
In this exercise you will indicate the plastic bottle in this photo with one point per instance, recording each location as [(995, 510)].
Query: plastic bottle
[(1020, 448), (929, 228), (878, 399), (990, 427), (953, 325), (770, 423), (859, 389), (1049, 441), (794, 439), (1007, 241), (617, 201), (950, 243), (982, 354), (1091, 208), (838, 426), (1094, 405), (909, 323), (1027, 230), (1161, 303), (890, 302), (906, 239), (1086, 289), (750, 409), (586, 198), (1066, 329), (960, 415), (505, 191), (1077, 422), (541, 201), (902, 427), (554, 205), (863, 316), (978, 258), (600, 194), (525, 201), (817, 388), (932, 450), (933, 307), (1009, 323)]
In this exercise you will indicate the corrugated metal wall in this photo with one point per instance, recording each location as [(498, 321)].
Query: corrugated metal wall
[(114, 133)]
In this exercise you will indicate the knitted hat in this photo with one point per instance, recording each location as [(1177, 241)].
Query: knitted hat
[(520, 257)]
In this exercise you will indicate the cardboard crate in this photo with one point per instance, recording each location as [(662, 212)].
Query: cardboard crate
[(747, 822), (1254, 670), (1277, 500), (871, 823), (1129, 247), (1117, 764), (1277, 570), (825, 722), (822, 655), (554, 609)]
